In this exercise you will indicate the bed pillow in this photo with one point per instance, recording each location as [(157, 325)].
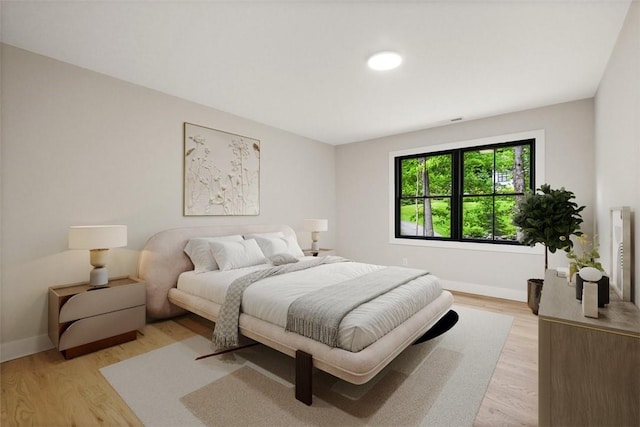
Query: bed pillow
[(254, 235), (283, 258), (199, 252), (278, 245), (231, 254)]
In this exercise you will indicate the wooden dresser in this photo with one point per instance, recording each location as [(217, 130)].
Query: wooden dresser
[(83, 318), (589, 369)]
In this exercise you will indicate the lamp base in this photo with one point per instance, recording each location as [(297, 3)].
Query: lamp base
[(99, 277), (315, 246)]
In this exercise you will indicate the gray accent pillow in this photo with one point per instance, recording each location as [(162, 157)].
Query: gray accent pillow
[(282, 258)]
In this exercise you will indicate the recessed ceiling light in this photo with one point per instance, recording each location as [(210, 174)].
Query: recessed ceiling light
[(383, 61)]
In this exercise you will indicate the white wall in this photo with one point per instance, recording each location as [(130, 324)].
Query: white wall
[(363, 202), (617, 138), (82, 148)]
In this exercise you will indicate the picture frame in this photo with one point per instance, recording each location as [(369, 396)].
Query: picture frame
[(620, 251), (221, 172)]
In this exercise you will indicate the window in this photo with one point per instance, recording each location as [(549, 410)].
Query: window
[(463, 194)]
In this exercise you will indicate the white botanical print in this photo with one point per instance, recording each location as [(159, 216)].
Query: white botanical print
[(221, 173)]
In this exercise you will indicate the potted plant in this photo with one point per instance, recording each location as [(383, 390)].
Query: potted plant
[(549, 217), (588, 257)]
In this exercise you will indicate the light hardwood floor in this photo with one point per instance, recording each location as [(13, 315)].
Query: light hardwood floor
[(512, 395), (46, 390)]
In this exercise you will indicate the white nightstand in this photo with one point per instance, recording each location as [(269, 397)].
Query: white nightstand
[(83, 318), (319, 252)]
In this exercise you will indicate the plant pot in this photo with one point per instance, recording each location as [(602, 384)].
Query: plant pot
[(534, 290), (603, 290)]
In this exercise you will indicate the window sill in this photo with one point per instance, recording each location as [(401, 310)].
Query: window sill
[(470, 246)]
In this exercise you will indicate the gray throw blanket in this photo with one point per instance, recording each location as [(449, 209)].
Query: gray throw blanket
[(318, 314), (225, 334)]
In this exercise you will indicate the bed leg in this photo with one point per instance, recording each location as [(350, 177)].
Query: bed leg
[(304, 370)]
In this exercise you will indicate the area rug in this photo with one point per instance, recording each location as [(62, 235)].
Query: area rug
[(440, 382)]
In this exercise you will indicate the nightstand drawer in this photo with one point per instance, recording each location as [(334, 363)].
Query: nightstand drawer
[(102, 300), (102, 326)]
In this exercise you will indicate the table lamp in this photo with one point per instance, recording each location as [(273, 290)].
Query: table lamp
[(315, 226), (98, 239)]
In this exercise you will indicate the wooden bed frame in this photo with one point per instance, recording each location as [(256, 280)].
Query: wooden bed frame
[(162, 260)]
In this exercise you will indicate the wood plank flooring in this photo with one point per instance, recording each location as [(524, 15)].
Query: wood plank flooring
[(44, 389), (512, 395)]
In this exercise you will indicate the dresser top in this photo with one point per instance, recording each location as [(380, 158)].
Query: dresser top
[(559, 304)]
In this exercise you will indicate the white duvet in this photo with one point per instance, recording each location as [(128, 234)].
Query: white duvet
[(269, 299)]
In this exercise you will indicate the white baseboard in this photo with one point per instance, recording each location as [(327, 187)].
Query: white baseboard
[(24, 347), (488, 291)]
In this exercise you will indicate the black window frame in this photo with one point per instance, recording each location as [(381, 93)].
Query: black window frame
[(457, 195)]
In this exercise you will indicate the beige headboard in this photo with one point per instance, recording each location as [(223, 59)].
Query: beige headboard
[(163, 259)]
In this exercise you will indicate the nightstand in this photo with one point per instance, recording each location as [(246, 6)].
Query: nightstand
[(83, 318), (319, 252)]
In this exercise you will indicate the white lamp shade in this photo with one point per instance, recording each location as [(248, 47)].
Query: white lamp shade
[(97, 236), (316, 224)]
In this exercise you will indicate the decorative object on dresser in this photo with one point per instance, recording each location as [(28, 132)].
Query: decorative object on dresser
[(315, 226), (549, 217), (621, 260), (593, 275), (98, 239), (590, 300), (584, 253), (588, 368), (83, 319), (221, 172)]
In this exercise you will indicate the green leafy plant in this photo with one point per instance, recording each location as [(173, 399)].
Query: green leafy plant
[(588, 256), (549, 217)]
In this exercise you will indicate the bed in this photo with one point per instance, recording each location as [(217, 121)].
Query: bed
[(163, 264)]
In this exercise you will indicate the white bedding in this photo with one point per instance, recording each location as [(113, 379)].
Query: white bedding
[(269, 299)]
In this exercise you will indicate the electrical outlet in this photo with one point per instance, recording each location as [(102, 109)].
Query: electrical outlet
[(405, 261)]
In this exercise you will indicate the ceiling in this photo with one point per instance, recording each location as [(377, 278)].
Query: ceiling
[(301, 65)]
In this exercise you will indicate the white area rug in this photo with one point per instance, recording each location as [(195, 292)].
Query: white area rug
[(437, 383)]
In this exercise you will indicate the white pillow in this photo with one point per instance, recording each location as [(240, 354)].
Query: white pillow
[(232, 254), (199, 252), (277, 245), (253, 236)]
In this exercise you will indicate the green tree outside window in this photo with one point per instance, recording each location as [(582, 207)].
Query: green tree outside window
[(465, 194)]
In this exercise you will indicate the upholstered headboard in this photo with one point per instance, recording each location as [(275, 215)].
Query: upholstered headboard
[(163, 259)]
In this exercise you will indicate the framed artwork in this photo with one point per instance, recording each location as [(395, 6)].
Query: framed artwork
[(221, 172), (621, 252)]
